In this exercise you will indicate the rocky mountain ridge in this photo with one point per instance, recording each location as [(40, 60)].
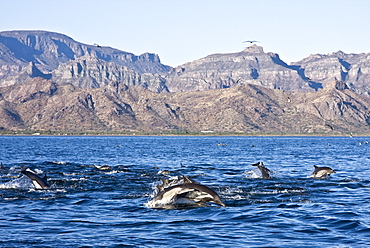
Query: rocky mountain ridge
[(41, 104), (48, 81), (59, 58), (48, 50), (353, 69), (251, 66)]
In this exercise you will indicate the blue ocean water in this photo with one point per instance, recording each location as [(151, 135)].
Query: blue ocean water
[(90, 207)]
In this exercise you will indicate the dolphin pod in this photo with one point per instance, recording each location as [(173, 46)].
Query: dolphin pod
[(183, 191), (318, 173)]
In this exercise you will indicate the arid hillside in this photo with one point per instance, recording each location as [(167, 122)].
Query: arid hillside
[(246, 109)]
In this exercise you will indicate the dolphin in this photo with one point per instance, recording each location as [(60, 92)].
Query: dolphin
[(103, 167), (264, 171), (187, 192), (38, 182), (322, 172)]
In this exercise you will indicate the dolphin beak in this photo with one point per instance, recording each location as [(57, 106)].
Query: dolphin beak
[(220, 203)]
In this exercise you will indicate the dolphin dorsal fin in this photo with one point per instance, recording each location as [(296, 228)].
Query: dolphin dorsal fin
[(315, 166), (163, 185), (258, 164), (159, 187), (164, 182), (188, 180)]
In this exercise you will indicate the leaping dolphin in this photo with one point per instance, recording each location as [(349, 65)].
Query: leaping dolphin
[(188, 192), (38, 182), (322, 172), (264, 171)]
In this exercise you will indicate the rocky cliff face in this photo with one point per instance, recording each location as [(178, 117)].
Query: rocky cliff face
[(248, 109), (254, 66), (251, 66), (28, 54), (91, 72), (323, 68), (358, 77), (27, 73), (48, 50), (353, 69)]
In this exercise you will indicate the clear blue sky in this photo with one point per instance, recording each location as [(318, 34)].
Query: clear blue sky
[(181, 31)]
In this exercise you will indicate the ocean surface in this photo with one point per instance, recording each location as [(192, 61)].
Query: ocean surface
[(93, 206)]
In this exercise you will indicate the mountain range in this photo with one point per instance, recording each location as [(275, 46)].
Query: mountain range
[(50, 82)]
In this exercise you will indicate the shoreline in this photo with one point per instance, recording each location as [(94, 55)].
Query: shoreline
[(190, 134)]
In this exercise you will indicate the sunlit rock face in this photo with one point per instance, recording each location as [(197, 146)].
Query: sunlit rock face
[(251, 66), (48, 51), (91, 72), (352, 69), (41, 104)]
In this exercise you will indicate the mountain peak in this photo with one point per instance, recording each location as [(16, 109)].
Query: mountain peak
[(254, 49), (339, 85), (50, 49)]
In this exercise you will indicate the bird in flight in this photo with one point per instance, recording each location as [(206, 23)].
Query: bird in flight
[(329, 126), (250, 41)]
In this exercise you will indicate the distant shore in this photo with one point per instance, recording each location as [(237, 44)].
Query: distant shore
[(205, 134)]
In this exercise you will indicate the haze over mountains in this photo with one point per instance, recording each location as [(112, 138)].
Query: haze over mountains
[(48, 81)]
